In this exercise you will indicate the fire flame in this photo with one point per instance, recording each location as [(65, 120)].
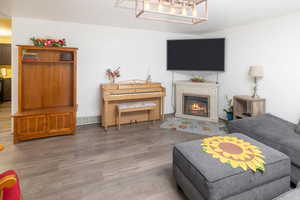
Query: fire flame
[(197, 107)]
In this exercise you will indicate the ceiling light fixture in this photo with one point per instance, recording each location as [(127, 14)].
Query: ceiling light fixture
[(5, 32), (177, 11)]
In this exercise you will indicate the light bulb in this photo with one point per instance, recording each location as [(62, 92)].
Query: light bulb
[(184, 12), (147, 5), (173, 11), (160, 6), (195, 12)]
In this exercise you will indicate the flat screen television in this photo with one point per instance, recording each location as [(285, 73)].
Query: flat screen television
[(196, 54)]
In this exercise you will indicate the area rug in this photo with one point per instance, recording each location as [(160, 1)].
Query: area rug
[(194, 126)]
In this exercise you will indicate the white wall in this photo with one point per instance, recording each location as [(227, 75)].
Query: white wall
[(275, 44), (137, 52)]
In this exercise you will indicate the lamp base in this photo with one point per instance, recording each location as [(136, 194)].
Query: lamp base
[(255, 96)]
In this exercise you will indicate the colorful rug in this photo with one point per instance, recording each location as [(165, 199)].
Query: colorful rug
[(194, 126)]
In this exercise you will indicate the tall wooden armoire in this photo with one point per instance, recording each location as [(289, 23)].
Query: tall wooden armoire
[(46, 92)]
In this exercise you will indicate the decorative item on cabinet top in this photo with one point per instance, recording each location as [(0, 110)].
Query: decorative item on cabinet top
[(48, 42)]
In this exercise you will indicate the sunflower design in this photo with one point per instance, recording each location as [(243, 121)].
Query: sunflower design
[(235, 152)]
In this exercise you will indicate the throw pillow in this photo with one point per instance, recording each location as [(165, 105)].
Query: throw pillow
[(13, 192)]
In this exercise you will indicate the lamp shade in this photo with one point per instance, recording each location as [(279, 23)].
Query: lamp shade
[(256, 71)]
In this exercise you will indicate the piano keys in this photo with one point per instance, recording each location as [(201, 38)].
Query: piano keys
[(114, 94)]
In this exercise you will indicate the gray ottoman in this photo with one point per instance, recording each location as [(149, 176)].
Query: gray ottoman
[(202, 177)]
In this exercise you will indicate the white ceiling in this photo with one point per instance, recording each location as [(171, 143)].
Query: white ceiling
[(222, 13)]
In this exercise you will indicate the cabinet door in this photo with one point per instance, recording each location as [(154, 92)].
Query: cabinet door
[(60, 123), (7, 89), (31, 125), (5, 54)]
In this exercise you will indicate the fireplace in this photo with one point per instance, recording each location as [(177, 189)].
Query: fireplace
[(198, 101), (196, 105)]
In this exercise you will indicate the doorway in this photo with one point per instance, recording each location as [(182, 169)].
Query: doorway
[(5, 75)]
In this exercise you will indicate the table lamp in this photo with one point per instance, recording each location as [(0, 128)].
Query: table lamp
[(1, 147), (256, 72)]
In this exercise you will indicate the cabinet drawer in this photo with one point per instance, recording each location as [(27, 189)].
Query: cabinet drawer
[(31, 125), (60, 123)]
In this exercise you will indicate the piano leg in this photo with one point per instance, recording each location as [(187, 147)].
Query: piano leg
[(104, 111), (119, 119), (162, 108)]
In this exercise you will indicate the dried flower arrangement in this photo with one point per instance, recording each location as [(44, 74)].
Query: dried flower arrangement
[(113, 74)]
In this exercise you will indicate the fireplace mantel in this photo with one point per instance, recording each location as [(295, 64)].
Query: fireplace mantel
[(206, 89)]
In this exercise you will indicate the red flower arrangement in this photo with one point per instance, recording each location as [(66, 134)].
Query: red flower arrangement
[(48, 42)]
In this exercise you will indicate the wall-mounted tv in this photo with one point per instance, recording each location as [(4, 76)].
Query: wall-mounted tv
[(196, 54)]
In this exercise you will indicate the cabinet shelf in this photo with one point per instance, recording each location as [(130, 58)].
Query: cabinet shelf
[(44, 111), (48, 62)]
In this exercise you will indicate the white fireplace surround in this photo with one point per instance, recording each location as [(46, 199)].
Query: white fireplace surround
[(209, 89)]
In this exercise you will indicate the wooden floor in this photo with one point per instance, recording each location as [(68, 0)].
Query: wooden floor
[(131, 164), (5, 119)]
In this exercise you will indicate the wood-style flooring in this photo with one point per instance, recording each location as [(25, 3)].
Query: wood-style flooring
[(5, 117), (131, 164)]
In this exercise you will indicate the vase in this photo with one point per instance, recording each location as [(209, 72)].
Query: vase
[(229, 116)]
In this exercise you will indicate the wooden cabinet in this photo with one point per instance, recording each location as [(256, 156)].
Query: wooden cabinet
[(5, 54), (6, 89), (247, 106), (47, 93)]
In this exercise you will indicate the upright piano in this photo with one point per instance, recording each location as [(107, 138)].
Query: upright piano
[(114, 94)]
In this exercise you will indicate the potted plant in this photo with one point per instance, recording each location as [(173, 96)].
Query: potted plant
[(229, 109)]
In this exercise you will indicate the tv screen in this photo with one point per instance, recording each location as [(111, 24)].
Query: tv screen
[(196, 54)]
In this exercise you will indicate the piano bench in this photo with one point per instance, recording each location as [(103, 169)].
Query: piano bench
[(133, 107)]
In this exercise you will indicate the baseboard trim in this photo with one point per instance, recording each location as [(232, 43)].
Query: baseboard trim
[(80, 121), (88, 120)]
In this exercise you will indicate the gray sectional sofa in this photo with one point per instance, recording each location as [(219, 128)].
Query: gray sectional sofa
[(274, 132), (291, 195)]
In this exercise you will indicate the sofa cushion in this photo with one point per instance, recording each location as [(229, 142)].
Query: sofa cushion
[(215, 180), (272, 131)]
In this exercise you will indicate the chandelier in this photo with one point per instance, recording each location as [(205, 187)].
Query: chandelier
[(177, 11)]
